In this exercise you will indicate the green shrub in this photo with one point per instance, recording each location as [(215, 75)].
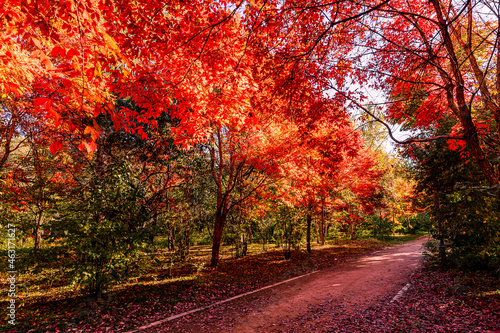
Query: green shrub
[(102, 228)]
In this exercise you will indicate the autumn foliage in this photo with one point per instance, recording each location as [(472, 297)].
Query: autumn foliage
[(143, 119)]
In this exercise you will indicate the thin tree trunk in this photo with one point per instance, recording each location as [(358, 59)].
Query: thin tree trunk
[(37, 235), (308, 232), (353, 231), (322, 229), (244, 246), (317, 232), (220, 220), (249, 235), (393, 225), (187, 240), (171, 237)]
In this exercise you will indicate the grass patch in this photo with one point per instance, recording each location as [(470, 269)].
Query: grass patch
[(398, 239)]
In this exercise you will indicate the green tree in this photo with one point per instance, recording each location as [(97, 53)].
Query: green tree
[(103, 224), (463, 206)]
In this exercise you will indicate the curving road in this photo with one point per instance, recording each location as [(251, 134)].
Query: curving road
[(347, 287)]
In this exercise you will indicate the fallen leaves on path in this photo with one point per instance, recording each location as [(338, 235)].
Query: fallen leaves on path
[(150, 297), (437, 301)]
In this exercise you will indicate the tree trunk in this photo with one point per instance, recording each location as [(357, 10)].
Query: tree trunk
[(322, 227), (171, 238), (308, 232), (317, 232), (187, 240), (244, 246), (353, 231), (470, 133), (322, 233), (455, 94), (393, 225), (220, 220), (155, 223), (249, 235), (37, 235)]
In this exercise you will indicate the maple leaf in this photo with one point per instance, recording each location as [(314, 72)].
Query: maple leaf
[(55, 147)]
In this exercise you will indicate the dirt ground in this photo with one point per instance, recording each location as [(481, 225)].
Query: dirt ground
[(345, 288)]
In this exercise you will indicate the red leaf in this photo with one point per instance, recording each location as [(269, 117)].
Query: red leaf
[(55, 147), (36, 42), (42, 101), (48, 64), (89, 146), (71, 53), (55, 51)]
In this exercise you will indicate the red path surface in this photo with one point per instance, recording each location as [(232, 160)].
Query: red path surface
[(347, 287)]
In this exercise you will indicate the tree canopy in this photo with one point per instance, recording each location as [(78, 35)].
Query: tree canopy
[(231, 110)]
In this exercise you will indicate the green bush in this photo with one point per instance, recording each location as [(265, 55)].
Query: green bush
[(468, 221), (381, 226), (102, 228)]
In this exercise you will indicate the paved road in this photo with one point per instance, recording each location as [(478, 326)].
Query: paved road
[(349, 286)]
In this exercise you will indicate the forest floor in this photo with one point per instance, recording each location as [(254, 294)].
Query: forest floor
[(437, 301), (386, 291), (305, 304)]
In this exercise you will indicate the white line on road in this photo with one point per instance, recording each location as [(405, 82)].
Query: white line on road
[(401, 292)]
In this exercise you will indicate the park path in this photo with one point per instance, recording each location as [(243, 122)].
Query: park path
[(306, 304)]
